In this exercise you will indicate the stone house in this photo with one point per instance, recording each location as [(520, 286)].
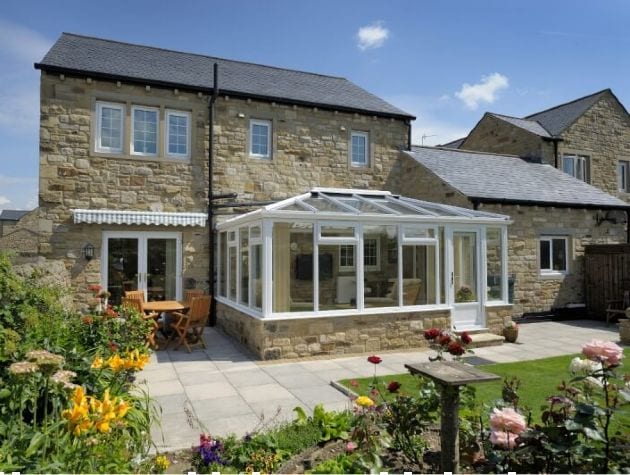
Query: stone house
[(124, 145), (554, 215), (587, 138), (9, 219)]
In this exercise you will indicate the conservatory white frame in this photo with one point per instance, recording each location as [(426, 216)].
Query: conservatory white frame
[(390, 211)]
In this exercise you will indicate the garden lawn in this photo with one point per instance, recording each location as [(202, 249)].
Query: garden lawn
[(539, 380)]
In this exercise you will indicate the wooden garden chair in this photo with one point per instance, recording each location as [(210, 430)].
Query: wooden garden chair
[(135, 294), (189, 326), (135, 304), (617, 308), (190, 294)]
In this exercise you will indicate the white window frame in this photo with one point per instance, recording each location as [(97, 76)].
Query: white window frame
[(377, 266), (550, 270), (366, 155), (167, 126), (132, 140), (265, 123), (581, 162), (99, 119), (623, 184)]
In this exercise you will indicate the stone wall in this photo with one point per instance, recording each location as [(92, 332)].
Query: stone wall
[(310, 148), (602, 133), (330, 336), (534, 292), (498, 136)]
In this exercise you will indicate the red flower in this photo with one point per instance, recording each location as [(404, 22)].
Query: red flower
[(374, 392), (431, 333), (393, 387), (374, 359), (113, 346), (354, 383), (466, 338), (443, 339), (454, 348), (94, 288), (87, 319)]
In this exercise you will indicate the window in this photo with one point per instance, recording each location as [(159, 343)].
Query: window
[(346, 257), (622, 175), (144, 131), (553, 255), (260, 138), (371, 253), (359, 149), (576, 166), (109, 130), (177, 134)]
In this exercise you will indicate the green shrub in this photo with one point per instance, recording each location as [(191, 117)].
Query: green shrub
[(344, 463)]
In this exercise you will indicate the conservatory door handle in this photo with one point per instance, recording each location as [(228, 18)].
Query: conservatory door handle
[(451, 278)]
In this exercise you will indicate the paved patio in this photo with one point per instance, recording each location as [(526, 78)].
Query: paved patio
[(224, 390)]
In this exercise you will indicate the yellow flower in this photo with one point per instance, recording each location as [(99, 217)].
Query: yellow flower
[(97, 363), (116, 363), (78, 397), (162, 463), (102, 426), (364, 401), (121, 409)]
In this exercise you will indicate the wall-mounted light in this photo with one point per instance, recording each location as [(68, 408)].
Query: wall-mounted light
[(88, 252), (608, 216)]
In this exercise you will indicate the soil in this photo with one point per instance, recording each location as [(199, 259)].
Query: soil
[(311, 457)]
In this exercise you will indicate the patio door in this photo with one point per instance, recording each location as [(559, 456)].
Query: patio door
[(464, 260), (148, 261)]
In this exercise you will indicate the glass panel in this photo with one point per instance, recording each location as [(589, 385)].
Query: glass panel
[(432, 208), (293, 284), (379, 279), (337, 231), (418, 275), (362, 206), (545, 254), (568, 165), (400, 208), (161, 269), (177, 134), (359, 149), (346, 256), (260, 139), (442, 285), (337, 288), (257, 282), (244, 235), (559, 253), (494, 262), (223, 264), (418, 233), (145, 131), (324, 205), (111, 128), (232, 272), (122, 267), (465, 266), (254, 232)]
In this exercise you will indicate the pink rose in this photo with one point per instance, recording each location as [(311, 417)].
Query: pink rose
[(606, 352), (507, 420), (350, 447), (503, 439)]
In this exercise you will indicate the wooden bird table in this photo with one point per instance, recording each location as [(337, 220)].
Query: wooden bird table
[(450, 375)]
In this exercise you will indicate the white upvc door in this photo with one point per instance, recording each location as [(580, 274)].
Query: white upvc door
[(148, 261), (464, 277)]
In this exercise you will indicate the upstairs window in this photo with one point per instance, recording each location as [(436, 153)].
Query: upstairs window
[(144, 131), (260, 139), (576, 166), (177, 134), (109, 129), (553, 255), (622, 176), (359, 149)]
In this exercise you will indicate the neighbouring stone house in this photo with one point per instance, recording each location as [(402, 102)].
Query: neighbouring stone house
[(588, 138), (554, 216), (9, 219), (19, 233)]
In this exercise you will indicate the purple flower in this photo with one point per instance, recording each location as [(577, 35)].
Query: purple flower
[(210, 450)]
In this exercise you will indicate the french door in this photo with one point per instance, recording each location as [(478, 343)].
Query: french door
[(147, 261), (464, 263)]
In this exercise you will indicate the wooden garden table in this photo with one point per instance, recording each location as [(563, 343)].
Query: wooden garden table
[(450, 375), (160, 306)]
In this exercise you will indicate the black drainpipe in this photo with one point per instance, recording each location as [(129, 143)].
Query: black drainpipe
[(555, 153), (408, 135), (211, 254)]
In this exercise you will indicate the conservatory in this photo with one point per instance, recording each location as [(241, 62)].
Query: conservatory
[(333, 255)]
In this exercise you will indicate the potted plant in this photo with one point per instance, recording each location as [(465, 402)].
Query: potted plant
[(464, 294), (510, 332)]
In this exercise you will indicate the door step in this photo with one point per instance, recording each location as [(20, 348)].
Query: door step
[(480, 340)]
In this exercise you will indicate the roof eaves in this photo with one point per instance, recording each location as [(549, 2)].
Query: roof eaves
[(550, 204)]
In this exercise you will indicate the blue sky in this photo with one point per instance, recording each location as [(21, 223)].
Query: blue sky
[(446, 61)]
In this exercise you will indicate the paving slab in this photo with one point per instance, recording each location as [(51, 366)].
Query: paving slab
[(198, 392), (208, 409), (200, 377), (265, 392), (249, 377)]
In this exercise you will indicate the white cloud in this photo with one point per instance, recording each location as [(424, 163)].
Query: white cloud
[(22, 43), (4, 200), (372, 36), (484, 92), (19, 192)]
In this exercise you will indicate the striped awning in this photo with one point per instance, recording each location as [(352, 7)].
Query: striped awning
[(112, 216)]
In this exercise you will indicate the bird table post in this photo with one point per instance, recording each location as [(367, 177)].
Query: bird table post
[(449, 376)]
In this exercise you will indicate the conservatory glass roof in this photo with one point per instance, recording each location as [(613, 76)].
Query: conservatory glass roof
[(336, 203)]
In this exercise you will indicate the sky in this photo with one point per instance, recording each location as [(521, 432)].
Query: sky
[(444, 61)]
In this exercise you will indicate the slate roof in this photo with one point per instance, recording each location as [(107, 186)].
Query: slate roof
[(454, 144), (76, 54), (557, 119), (508, 178), (12, 214), (529, 125)]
